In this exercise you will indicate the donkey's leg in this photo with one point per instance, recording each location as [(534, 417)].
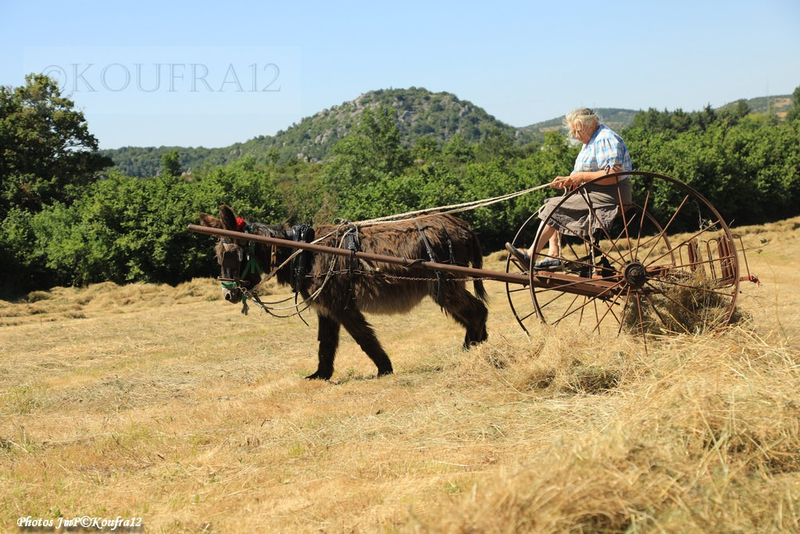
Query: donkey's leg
[(357, 326), (328, 337), (467, 310)]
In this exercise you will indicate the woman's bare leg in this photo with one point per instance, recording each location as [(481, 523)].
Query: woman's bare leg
[(550, 236), (554, 249)]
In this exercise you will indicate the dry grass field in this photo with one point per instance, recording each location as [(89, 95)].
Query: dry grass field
[(166, 404)]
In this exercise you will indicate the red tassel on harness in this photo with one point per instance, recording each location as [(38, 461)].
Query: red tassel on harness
[(240, 224)]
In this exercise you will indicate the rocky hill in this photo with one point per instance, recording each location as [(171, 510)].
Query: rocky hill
[(419, 113)]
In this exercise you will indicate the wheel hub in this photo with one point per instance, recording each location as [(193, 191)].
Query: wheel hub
[(635, 274)]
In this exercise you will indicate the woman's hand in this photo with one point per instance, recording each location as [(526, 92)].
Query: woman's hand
[(579, 178), (562, 182)]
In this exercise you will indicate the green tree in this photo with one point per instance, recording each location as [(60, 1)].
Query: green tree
[(171, 163), (371, 154), (496, 144), (47, 156), (794, 112), (246, 187), (425, 149), (459, 150), (126, 229), (46, 150), (746, 166)]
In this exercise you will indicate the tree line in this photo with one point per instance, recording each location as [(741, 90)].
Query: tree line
[(67, 217)]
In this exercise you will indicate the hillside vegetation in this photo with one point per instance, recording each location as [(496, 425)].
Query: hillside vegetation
[(419, 113), (166, 404)]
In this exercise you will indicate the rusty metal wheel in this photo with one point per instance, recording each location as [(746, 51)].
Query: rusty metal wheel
[(667, 264)]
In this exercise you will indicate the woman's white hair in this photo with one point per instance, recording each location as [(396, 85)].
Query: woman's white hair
[(581, 118)]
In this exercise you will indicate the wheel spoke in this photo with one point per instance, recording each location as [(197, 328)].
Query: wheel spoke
[(596, 315), (579, 259), (641, 321), (576, 310), (664, 230), (624, 222), (569, 306), (611, 310), (603, 228), (599, 296), (558, 295), (641, 221), (624, 310), (518, 289), (675, 302)]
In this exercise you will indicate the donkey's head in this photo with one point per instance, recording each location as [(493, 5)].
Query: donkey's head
[(241, 262)]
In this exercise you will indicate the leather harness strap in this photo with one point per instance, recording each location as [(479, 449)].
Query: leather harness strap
[(432, 256)]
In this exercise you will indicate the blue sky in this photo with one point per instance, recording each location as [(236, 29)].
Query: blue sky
[(203, 67)]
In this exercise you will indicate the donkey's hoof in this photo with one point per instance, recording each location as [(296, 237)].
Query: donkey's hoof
[(319, 376), (469, 344), (384, 372)]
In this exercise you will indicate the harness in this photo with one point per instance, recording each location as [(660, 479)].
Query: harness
[(351, 241), (301, 263), (439, 274)]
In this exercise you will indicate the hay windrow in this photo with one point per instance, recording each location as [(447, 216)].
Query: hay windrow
[(681, 303)]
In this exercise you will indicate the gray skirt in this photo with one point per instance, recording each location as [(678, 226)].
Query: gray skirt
[(593, 207)]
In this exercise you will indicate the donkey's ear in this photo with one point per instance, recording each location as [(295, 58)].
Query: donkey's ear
[(209, 220), (228, 218)]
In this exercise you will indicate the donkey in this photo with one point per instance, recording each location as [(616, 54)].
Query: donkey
[(340, 288)]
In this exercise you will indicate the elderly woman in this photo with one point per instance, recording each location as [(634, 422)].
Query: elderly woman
[(603, 153)]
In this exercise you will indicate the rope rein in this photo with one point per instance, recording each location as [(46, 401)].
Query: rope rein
[(453, 208)]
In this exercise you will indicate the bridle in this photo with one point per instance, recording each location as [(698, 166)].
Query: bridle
[(234, 276), (232, 263), (298, 263)]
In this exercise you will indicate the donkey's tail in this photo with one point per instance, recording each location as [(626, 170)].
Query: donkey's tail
[(477, 263)]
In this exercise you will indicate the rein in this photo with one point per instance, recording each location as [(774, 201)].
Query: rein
[(453, 208)]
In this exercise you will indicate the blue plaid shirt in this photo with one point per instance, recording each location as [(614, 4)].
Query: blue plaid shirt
[(603, 151)]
